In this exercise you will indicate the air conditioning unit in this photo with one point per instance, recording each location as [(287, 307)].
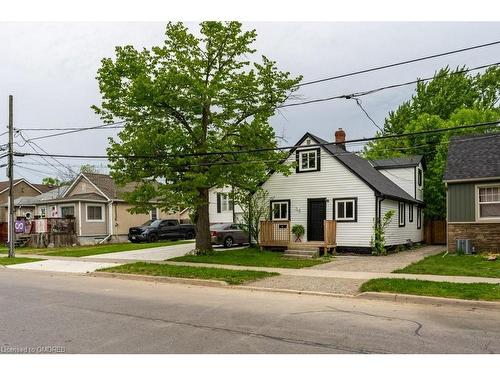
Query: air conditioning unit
[(464, 246)]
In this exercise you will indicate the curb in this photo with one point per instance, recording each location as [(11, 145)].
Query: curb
[(159, 279), (427, 300)]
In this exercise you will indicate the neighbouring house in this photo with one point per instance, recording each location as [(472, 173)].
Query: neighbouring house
[(331, 183), (221, 208), (472, 179), (97, 204), (21, 187)]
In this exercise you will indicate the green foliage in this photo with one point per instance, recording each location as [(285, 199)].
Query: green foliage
[(88, 168), (194, 94), (450, 99), (255, 207), (51, 181), (298, 230), (377, 241)]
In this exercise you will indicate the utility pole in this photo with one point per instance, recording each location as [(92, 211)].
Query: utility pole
[(10, 173)]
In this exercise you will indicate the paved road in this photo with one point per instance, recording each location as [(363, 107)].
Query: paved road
[(95, 315)]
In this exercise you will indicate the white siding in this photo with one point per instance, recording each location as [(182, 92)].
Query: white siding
[(225, 216), (395, 234), (333, 181), (403, 177)]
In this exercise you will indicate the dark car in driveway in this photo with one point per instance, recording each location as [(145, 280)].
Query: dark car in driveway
[(154, 230), (228, 234)]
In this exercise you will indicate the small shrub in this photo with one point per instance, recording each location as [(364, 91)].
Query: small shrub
[(377, 241), (298, 230)]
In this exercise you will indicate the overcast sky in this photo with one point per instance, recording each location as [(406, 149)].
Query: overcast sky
[(50, 69)]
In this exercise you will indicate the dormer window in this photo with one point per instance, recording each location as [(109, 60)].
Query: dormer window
[(420, 178), (308, 160)]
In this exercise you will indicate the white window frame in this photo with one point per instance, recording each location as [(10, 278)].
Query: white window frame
[(307, 152), (226, 203), (280, 203), (42, 211), (103, 214), (151, 213), (67, 205), (478, 204), (345, 218)]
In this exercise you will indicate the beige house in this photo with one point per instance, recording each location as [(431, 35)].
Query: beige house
[(21, 187), (97, 204)]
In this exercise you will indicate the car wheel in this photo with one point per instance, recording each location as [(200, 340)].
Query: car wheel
[(228, 242), (190, 235), (152, 238)]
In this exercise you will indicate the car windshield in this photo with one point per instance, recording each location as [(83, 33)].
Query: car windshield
[(152, 223), (219, 226)]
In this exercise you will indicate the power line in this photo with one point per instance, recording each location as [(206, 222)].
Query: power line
[(398, 64), (283, 148), (383, 88), (358, 102)]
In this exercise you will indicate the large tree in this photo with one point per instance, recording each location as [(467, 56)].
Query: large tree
[(189, 104), (452, 98)]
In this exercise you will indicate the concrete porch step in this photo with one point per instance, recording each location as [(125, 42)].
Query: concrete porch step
[(305, 245), (301, 253), (298, 256)]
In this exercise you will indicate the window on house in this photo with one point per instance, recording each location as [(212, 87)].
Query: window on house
[(419, 217), (420, 177), (94, 213), (345, 209), (489, 202), (67, 211), (43, 212), (280, 210), (308, 160), (402, 214), (410, 213), (224, 203), (154, 214)]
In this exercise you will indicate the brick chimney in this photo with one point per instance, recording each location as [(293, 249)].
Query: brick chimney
[(340, 138)]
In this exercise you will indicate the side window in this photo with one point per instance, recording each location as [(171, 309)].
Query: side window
[(402, 214), (410, 213), (420, 177)]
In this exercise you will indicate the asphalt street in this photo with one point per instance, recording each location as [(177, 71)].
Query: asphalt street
[(84, 314)]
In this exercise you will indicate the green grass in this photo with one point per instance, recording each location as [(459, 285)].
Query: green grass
[(230, 276), (4, 261), (454, 265), (81, 251), (250, 257), (476, 291)]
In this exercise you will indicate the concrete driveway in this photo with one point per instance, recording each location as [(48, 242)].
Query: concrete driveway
[(385, 264), (155, 253)]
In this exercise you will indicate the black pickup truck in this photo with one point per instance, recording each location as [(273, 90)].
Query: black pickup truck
[(153, 230)]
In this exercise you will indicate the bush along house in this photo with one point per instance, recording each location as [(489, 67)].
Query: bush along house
[(472, 178), (331, 183)]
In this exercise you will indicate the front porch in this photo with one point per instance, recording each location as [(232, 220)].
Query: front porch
[(278, 234)]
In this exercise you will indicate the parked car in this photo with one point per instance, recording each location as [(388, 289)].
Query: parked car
[(153, 230), (228, 234)]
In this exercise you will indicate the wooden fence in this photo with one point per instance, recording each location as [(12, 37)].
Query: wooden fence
[(275, 233), (330, 234), (435, 232)]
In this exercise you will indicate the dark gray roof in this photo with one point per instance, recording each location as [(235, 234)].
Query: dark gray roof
[(402, 162), (364, 170), (472, 157)]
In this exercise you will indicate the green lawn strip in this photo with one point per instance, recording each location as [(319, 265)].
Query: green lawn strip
[(4, 261), (475, 291), (81, 251), (188, 272), (454, 265), (250, 257)]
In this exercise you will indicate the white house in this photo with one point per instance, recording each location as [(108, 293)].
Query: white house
[(334, 184), (221, 208)]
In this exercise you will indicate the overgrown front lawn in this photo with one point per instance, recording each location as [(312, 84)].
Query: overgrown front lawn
[(81, 251), (475, 291), (250, 257), (189, 272), (454, 265), (4, 261)]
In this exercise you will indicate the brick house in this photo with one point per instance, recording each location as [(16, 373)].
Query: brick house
[(472, 179)]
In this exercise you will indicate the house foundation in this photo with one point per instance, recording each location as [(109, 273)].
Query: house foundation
[(484, 236)]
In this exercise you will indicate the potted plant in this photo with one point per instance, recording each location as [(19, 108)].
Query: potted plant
[(299, 231)]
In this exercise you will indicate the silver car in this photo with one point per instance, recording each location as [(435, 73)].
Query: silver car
[(228, 234)]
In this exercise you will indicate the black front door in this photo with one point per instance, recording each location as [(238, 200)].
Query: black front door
[(316, 214)]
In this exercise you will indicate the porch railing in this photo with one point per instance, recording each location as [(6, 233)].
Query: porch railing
[(275, 233)]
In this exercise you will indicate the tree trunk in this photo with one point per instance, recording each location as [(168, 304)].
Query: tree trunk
[(203, 239)]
